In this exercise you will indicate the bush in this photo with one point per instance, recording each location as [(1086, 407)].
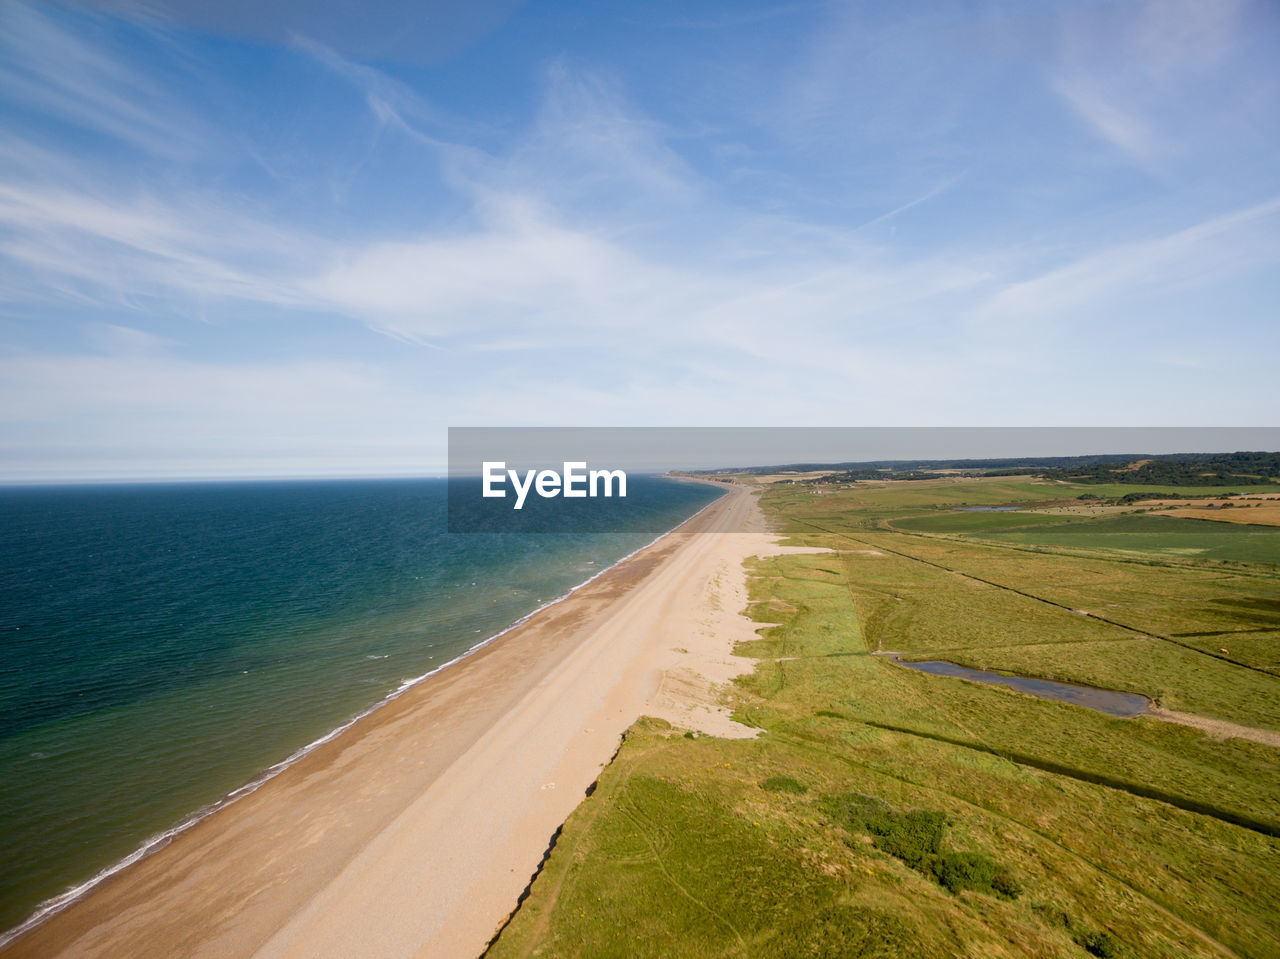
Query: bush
[(1100, 944), (957, 871), (913, 837), (916, 839)]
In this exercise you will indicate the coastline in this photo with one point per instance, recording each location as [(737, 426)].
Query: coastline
[(52, 906), (253, 900)]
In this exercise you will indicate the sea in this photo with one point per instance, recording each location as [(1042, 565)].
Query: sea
[(164, 648)]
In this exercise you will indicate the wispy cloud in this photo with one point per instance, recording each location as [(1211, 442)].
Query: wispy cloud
[(390, 100), (925, 197), (539, 259), (522, 271), (1230, 244), (1118, 124), (1129, 72), (84, 246), (52, 71), (604, 149), (834, 240)]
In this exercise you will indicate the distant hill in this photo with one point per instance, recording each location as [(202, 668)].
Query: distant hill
[(1168, 469), (1185, 469), (1022, 464)]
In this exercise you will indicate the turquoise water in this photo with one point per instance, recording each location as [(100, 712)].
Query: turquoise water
[(163, 645)]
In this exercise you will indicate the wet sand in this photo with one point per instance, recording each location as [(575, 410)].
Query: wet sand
[(413, 833)]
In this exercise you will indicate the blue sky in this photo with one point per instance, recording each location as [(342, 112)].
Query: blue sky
[(307, 239)]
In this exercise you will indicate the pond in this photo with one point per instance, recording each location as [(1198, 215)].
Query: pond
[(1103, 700)]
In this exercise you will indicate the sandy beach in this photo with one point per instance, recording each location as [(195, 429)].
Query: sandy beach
[(415, 831)]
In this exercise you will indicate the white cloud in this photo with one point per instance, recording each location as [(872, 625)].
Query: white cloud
[(1128, 72), (390, 100), (522, 272), (1225, 245), (73, 243), (50, 69), (586, 137), (577, 267), (1123, 127)]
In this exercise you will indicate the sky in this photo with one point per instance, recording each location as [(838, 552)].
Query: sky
[(307, 239)]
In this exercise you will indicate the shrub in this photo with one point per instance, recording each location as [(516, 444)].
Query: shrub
[(913, 837), (1100, 944), (957, 871), (916, 838)]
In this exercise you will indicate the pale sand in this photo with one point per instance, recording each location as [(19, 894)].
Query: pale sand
[(414, 832)]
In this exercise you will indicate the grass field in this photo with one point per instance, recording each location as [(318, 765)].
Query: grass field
[(884, 812), (979, 522), (1154, 535), (1256, 514)]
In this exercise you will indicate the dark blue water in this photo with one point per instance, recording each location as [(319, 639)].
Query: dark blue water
[(1103, 700), (162, 645)]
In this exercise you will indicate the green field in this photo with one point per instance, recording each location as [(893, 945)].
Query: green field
[(1152, 535), (980, 522), (1002, 491), (885, 812)]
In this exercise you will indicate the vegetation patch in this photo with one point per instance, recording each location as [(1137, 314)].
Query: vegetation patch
[(784, 784), (915, 837), (1181, 469), (1099, 944)]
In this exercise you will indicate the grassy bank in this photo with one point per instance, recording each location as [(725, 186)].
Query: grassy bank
[(884, 812)]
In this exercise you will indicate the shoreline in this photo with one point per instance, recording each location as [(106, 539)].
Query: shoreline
[(51, 907), (419, 762)]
